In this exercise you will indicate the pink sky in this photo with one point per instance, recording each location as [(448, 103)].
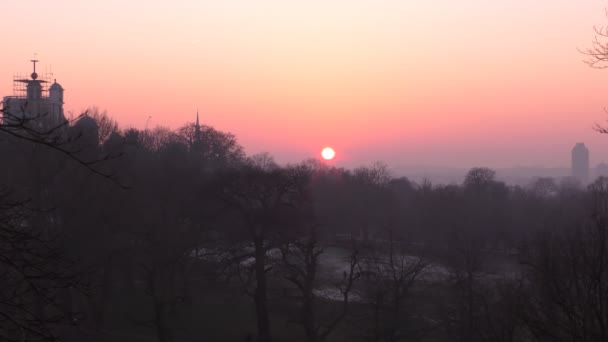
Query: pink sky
[(433, 82)]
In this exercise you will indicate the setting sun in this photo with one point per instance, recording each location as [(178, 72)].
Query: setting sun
[(328, 153)]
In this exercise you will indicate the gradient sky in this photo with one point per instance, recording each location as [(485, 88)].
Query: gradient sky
[(411, 82)]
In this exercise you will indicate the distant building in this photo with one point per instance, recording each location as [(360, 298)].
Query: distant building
[(580, 163), (35, 104), (601, 170)]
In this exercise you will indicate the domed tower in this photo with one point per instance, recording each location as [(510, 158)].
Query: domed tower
[(84, 136), (56, 101), (56, 93)]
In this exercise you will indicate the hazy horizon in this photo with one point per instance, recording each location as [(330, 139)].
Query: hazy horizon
[(283, 213), (496, 84)]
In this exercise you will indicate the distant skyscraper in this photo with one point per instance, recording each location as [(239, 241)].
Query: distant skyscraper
[(580, 163)]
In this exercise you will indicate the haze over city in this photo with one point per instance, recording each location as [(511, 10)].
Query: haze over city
[(304, 171), (414, 83)]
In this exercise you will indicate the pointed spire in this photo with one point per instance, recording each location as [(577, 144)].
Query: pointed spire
[(197, 129)]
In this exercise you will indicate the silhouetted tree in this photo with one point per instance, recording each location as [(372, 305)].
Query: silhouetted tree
[(544, 187), (568, 279), (106, 126), (34, 276), (479, 177), (597, 54), (215, 149), (263, 161), (38, 279), (301, 261), (389, 275), (263, 199)]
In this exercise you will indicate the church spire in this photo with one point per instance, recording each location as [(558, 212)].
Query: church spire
[(197, 130)]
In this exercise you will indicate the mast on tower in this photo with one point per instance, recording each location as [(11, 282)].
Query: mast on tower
[(34, 74)]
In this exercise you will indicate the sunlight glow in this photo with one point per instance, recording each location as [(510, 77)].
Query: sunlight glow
[(328, 153)]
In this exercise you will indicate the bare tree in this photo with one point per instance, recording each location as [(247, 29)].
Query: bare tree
[(467, 275), (479, 177), (263, 200), (544, 187), (158, 138), (300, 262), (37, 277), (597, 57), (263, 161), (53, 137), (597, 53), (34, 277), (214, 147), (389, 275), (106, 125), (567, 288)]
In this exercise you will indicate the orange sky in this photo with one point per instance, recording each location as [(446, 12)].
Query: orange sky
[(410, 82)]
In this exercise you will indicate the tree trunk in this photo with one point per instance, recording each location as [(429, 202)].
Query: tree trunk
[(106, 293), (261, 305), (308, 318), (129, 275), (162, 325)]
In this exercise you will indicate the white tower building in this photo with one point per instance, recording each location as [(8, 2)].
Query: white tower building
[(33, 105)]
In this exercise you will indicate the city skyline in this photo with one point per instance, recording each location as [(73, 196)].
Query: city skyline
[(372, 81)]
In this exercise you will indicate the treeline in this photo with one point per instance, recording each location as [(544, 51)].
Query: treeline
[(178, 235)]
